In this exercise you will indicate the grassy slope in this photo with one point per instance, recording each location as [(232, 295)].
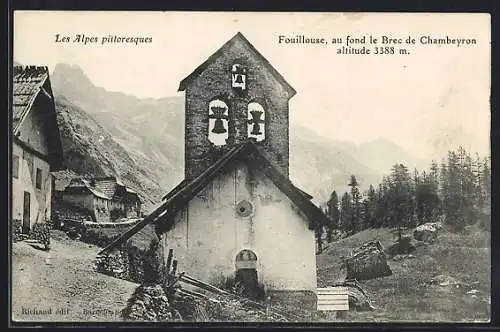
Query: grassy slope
[(69, 282), (407, 294)]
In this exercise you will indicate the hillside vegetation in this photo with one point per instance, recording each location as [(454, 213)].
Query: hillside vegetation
[(447, 281)]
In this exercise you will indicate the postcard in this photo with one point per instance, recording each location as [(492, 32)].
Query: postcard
[(250, 167)]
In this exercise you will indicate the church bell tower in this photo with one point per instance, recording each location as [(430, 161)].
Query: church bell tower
[(232, 97)]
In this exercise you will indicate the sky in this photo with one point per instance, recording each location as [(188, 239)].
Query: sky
[(434, 93)]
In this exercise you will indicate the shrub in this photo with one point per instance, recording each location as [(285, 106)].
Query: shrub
[(100, 236), (41, 232), (17, 230), (485, 222)]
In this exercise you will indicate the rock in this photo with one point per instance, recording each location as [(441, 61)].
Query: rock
[(403, 246), (473, 291), (444, 280), (427, 232), (367, 262)]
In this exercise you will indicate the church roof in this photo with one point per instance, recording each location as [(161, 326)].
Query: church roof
[(238, 37), (246, 152)]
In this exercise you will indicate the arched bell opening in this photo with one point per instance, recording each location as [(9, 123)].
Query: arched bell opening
[(256, 121), (246, 276), (218, 119)]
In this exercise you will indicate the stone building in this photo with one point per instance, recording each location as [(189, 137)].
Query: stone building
[(36, 145), (237, 212), (105, 199)]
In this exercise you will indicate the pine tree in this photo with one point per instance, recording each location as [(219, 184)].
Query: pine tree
[(486, 184), (382, 210), (346, 213), (427, 199), (468, 189), (370, 208), (333, 215), (478, 176), (400, 198), (319, 237), (454, 215), (417, 215), (356, 205)]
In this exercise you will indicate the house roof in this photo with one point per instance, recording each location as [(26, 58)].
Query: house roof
[(238, 37), (106, 185), (79, 183), (28, 82), (63, 178), (246, 152)]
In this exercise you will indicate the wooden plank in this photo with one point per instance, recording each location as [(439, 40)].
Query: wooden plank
[(335, 296), (332, 299), (334, 308)]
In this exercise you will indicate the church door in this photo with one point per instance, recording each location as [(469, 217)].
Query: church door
[(246, 275)]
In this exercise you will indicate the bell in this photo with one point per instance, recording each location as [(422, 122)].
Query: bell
[(256, 130), (256, 121), (218, 127), (239, 79)]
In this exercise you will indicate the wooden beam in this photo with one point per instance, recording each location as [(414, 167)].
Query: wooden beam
[(46, 93), (31, 150)]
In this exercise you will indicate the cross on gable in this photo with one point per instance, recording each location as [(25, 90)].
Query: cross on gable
[(256, 121)]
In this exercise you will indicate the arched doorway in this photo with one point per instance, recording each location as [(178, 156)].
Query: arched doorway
[(246, 275)]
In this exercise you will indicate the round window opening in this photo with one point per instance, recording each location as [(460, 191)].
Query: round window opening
[(244, 208)]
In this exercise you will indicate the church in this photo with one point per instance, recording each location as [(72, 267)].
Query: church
[(236, 212)]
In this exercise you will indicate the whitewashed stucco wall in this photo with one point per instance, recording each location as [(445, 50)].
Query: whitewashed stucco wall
[(209, 233), (40, 199)]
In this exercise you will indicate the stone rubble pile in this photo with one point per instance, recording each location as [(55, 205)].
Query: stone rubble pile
[(150, 303), (114, 264)]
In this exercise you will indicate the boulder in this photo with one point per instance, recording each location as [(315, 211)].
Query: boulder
[(427, 232), (401, 247), (367, 262)]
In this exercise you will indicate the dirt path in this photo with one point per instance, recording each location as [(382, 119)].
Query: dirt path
[(61, 284)]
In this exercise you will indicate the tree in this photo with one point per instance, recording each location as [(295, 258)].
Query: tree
[(319, 237), (400, 197), (333, 214), (370, 208), (382, 210), (453, 200), (346, 213), (427, 200), (356, 205)]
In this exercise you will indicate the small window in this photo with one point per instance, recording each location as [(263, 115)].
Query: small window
[(38, 178), (15, 166)]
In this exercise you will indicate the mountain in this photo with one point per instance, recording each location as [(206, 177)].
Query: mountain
[(320, 165), (150, 131), (454, 137), (89, 149), (381, 154)]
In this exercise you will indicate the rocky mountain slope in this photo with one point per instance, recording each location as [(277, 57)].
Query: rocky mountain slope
[(150, 132), (89, 149)]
